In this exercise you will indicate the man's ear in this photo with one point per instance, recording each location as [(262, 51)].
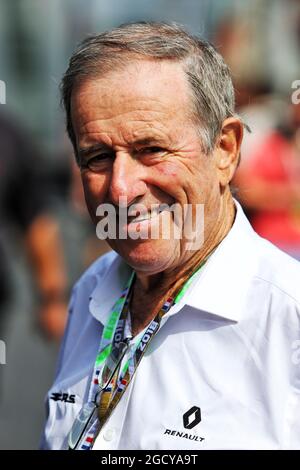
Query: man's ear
[(228, 149)]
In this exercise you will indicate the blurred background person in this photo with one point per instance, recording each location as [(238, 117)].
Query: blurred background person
[(25, 212), (269, 183)]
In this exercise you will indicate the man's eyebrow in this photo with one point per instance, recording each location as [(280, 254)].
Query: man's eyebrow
[(146, 141), (84, 152), (87, 151)]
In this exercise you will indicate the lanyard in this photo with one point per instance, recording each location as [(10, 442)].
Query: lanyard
[(112, 394), (108, 382), (84, 428)]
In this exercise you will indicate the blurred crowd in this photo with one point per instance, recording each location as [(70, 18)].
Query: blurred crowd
[(266, 70), (46, 237)]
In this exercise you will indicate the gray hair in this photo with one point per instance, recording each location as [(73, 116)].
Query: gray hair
[(208, 75)]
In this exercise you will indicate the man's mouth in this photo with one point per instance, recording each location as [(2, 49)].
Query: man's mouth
[(148, 215)]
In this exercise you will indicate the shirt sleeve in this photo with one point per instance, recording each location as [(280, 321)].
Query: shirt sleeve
[(45, 444)]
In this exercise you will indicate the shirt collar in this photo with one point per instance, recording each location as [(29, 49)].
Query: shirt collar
[(219, 289), (222, 285), (108, 288)]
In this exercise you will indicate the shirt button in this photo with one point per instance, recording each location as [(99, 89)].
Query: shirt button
[(109, 434)]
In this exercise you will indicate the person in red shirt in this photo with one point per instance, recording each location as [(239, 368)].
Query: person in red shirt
[(269, 185)]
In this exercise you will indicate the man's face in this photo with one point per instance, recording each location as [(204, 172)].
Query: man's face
[(140, 144)]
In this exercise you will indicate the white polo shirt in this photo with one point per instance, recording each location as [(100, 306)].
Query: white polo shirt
[(223, 371)]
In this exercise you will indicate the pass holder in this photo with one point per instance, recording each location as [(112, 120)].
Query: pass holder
[(89, 412)]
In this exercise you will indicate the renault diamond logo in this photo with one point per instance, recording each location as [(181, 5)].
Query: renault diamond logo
[(192, 417)]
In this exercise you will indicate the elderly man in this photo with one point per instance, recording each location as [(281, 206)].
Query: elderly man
[(188, 339)]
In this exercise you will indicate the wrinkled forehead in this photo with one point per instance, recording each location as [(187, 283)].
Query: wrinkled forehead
[(150, 85)]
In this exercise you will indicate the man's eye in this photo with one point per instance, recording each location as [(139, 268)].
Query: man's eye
[(98, 162), (147, 150)]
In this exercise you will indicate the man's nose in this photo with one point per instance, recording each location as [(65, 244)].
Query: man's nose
[(127, 183)]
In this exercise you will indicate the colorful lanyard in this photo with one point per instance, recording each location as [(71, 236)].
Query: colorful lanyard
[(108, 382)]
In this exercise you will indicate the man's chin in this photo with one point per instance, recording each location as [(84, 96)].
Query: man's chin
[(150, 256)]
